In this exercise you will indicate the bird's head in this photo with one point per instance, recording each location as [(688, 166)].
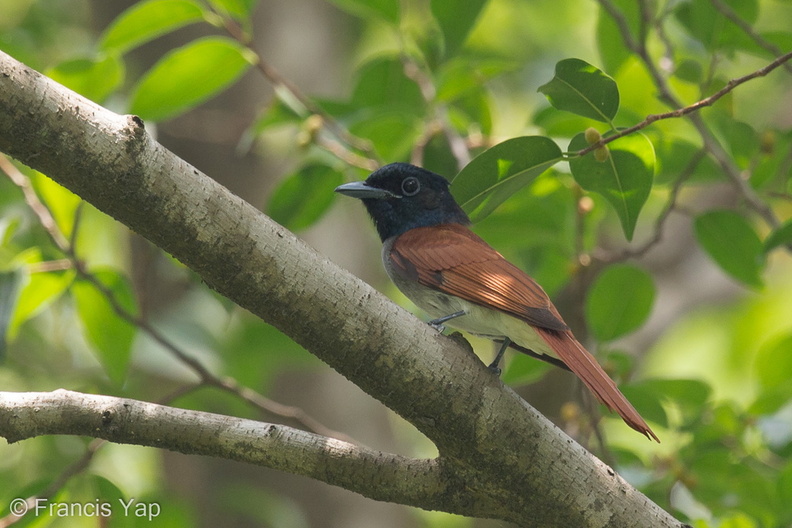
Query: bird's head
[(400, 197)]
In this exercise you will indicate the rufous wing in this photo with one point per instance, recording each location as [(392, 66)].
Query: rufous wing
[(452, 259)]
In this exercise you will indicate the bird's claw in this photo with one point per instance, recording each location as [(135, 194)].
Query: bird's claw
[(438, 325)]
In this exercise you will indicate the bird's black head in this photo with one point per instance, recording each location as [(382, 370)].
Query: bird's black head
[(400, 197)]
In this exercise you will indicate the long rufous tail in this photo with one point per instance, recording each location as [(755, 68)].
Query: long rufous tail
[(583, 364)]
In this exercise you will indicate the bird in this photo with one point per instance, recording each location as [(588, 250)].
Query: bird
[(435, 259)]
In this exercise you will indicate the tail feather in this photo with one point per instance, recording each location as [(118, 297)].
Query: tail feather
[(583, 364)]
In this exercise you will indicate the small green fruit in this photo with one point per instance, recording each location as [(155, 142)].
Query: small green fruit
[(592, 135), (602, 154)]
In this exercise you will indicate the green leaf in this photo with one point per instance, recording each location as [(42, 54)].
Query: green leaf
[(784, 483), (782, 235), (438, 156), (38, 292), (710, 27), (781, 39), (561, 124), (277, 113), (675, 156), (619, 301), (624, 179), (456, 18), (391, 133), (303, 197), (385, 9), (472, 112), (497, 173), (61, 202), (10, 284), (383, 83), (771, 160), (240, 9), (646, 403), (91, 78), (774, 364), (189, 75), (690, 71), (740, 138), (582, 89), (733, 245), (689, 396), (148, 20), (524, 370), (462, 76), (110, 335), (610, 42)]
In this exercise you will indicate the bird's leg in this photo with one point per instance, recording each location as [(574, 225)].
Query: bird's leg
[(494, 365), (438, 325)]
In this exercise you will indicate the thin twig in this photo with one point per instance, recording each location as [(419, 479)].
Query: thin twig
[(32, 199), (711, 144), (623, 25), (667, 60), (729, 13), (431, 130), (77, 467), (281, 83), (681, 112), (347, 156), (428, 91)]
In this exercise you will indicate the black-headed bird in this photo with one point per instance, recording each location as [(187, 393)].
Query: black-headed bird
[(456, 277)]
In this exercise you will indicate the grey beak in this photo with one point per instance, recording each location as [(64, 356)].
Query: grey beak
[(360, 189)]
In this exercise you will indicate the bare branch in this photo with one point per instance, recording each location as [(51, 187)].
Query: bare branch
[(77, 467), (27, 415)]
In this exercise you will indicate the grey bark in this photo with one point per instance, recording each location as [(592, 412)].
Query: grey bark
[(499, 458)]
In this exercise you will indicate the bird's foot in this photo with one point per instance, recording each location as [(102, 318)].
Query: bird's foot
[(494, 365), (438, 325)]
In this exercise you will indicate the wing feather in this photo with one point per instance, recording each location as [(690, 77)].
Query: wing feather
[(452, 259)]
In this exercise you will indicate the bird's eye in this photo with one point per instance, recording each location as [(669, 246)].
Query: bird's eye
[(410, 186)]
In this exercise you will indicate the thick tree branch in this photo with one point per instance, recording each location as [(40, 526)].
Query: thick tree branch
[(500, 447), (374, 474)]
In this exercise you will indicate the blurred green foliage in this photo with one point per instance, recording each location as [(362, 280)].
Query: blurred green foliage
[(431, 78)]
